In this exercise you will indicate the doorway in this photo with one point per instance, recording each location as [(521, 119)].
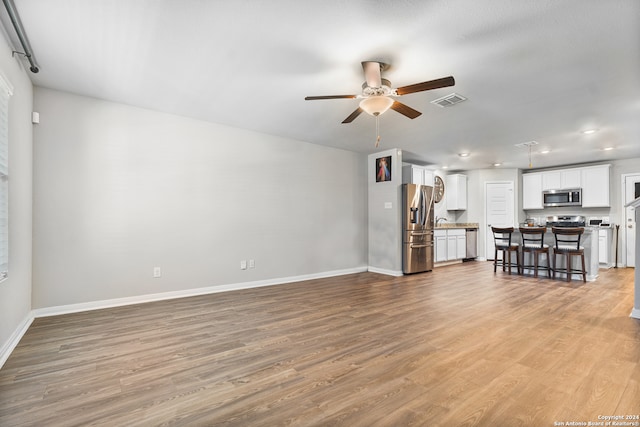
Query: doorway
[(499, 210), (631, 191)]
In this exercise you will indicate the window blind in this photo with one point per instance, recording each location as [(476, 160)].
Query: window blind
[(5, 93)]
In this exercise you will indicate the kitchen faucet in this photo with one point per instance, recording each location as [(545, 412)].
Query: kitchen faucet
[(438, 219)]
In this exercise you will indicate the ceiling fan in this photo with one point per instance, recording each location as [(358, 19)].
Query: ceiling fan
[(377, 94)]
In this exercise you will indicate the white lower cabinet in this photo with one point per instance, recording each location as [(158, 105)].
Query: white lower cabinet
[(450, 245), (461, 246), (604, 246), (440, 245)]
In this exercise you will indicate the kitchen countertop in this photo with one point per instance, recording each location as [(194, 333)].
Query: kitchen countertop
[(587, 228), (446, 225)]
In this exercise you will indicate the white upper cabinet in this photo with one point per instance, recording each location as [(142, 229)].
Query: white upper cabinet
[(561, 179), (593, 180), (413, 174), (570, 178), (551, 180), (532, 191), (455, 192), (595, 186)]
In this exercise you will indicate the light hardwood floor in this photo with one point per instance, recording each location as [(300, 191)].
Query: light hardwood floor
[(460, 346)]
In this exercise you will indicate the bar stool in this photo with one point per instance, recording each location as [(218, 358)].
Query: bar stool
[(533, 243), (502, 238), (568, 244)]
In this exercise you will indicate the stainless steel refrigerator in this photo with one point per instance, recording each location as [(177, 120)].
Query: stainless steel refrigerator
[(417, 224)]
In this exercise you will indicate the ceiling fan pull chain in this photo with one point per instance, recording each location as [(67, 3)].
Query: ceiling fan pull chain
[(377, 130)]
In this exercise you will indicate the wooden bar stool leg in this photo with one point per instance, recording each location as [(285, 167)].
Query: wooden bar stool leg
[(504, 256), (535, 263), (509, 262), (495, 259), (584, 270), (568, 267), (548, 265)]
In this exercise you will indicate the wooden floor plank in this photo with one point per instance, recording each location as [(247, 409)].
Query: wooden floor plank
[(456, 346)]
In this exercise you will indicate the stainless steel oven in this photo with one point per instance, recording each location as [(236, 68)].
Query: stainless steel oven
[(570, 197)]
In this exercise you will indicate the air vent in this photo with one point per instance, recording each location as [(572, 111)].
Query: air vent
[(449, 100), (527, 144)]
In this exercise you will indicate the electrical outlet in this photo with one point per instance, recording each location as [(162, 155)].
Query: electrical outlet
[(157, 272), (252, 263), (243, 264)]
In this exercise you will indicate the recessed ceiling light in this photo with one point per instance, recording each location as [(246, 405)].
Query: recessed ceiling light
[(497, 164), (445, 167), (545, 151), (607, 148), (463, 154), (589, 131)]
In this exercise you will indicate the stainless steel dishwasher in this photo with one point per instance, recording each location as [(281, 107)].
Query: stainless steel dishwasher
[(472, 243)]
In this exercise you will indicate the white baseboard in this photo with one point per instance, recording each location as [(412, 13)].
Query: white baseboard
[(118, 302), (15, 338), (635, 313), (446, 263), (385, 271)]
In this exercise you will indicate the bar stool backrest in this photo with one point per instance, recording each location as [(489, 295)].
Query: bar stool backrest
[(567, 238), (533, 237), (502, 236)]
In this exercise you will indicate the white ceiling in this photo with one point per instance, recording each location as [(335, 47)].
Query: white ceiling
[(532, 70)]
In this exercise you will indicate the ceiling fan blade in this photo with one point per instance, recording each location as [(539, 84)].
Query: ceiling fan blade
[(313, 98), (405, 110), (431, 84), (353, 115), (372, 75)]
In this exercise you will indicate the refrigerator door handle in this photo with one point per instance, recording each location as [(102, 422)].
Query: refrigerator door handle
[(423, 208), (419, 246), (430, 206)]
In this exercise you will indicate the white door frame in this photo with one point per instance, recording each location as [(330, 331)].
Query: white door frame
[(485, 227), (622, 254)]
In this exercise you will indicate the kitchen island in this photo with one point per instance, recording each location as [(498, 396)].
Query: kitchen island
[(588, 240)]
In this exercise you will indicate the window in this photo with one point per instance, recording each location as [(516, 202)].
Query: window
[(5, 92)]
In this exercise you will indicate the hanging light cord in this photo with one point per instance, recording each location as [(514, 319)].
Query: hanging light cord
[(377, 129), (530, 162)]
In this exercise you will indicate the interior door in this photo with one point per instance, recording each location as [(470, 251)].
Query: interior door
[(499, 210), (631, 192)]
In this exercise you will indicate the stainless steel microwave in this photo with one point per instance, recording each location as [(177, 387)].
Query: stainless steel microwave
[(570, 197)]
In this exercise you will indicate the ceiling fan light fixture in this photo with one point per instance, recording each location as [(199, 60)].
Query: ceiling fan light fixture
[(376, 105)]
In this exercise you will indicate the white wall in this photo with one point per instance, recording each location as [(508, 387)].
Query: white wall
[(119, 190), (385, 216), (475, 212), (15, 292)]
